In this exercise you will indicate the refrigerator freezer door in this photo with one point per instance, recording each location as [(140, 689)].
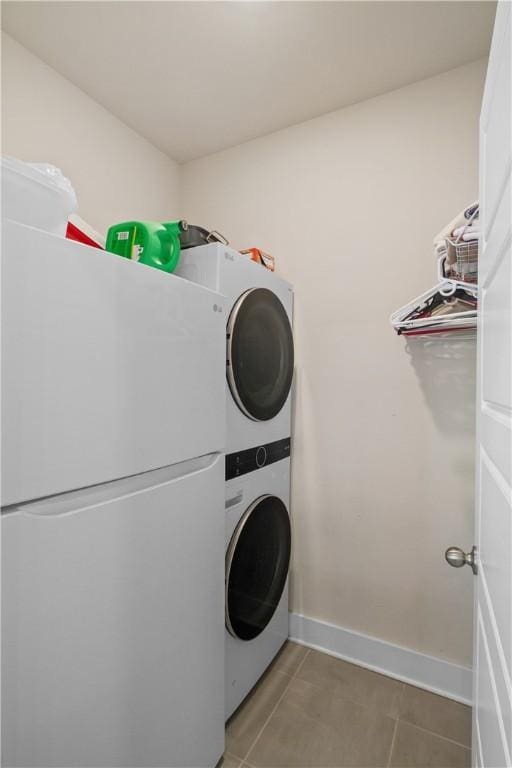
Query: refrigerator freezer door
[(109, 367), (113, 632)]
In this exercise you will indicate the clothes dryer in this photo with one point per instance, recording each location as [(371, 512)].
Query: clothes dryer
[(259, 342)]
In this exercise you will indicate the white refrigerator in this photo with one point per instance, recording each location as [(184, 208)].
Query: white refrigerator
[(113, 420)]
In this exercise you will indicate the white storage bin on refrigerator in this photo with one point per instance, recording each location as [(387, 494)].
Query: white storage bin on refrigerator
[(36, 194), (109, 367)]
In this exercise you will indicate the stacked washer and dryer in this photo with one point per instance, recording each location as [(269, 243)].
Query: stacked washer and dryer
[(259, 365)]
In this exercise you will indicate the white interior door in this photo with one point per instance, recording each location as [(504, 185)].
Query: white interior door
[(492, 719)]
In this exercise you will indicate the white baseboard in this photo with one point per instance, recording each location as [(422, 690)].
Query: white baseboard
[(436, 675)]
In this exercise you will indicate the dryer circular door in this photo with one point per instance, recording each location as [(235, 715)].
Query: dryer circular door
[(257, 562), (259, 354)]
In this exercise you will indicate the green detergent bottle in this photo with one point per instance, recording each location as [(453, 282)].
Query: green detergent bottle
[(151, 243)]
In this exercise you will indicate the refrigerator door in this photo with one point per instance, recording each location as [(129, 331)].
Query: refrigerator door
[(109, 367), (113, 629)]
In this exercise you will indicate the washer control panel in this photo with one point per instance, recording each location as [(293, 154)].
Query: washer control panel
[(254, 458)]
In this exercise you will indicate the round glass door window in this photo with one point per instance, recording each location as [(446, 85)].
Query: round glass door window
[(259, 354), (257, 563)]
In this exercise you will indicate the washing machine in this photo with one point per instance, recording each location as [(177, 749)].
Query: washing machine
[(259, 342), (258, 544)]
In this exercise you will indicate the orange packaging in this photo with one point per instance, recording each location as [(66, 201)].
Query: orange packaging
[(260, 257)]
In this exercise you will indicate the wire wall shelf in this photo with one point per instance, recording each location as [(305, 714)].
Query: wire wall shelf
[(450, 306)]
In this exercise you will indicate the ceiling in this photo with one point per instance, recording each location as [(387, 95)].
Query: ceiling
[(197, 77)]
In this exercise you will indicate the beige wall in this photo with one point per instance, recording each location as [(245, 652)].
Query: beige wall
[(116, 173), (383, 451)]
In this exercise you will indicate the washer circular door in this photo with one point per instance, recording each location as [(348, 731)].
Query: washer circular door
[(257, 563), (259, 354)]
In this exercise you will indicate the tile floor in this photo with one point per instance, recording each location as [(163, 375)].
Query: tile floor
[(311, 710)]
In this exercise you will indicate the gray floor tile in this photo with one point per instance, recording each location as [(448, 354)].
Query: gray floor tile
[(248, 720), (415, 748), (437, 714), (352, 682), (230, 761), (312, 728), (290, 657)]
